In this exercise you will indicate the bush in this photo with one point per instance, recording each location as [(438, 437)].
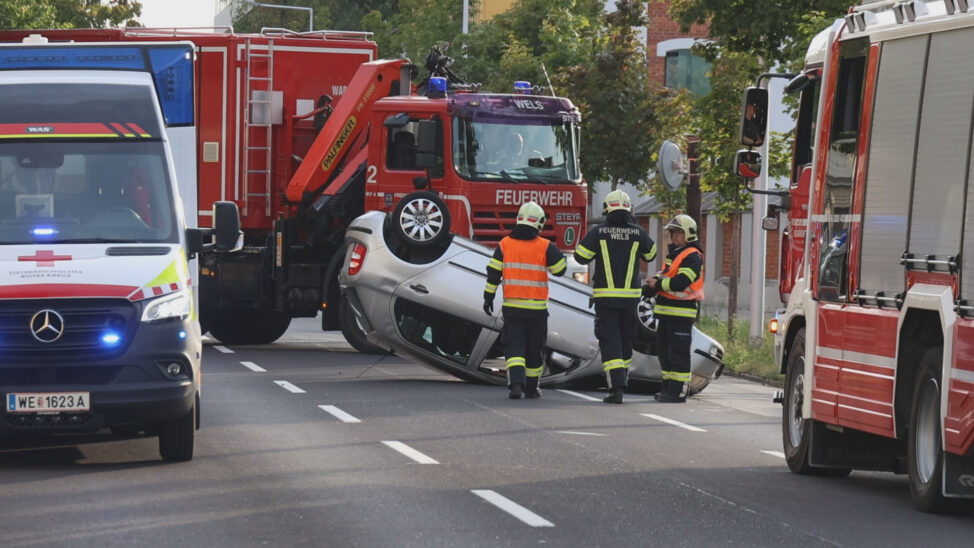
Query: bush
[(739, 357)]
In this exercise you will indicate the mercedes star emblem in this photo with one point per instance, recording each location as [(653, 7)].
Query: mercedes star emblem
[(47, 326)]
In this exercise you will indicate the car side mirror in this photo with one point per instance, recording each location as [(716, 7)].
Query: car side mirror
[(754, 117), (747, 164)]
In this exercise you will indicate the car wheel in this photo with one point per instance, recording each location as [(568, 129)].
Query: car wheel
[(177, 437), (645, 340), (796, 429), (421, 220), (352, 330), (924, 449)]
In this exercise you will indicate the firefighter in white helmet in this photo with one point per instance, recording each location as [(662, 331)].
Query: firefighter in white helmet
[(522, 262), (616, 247), (678, 288)]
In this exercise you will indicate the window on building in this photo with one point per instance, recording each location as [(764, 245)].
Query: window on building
[(686, 70)]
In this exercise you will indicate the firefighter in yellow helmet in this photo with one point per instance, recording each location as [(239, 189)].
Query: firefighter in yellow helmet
[(522, 262), (678, 288), (616, 247)]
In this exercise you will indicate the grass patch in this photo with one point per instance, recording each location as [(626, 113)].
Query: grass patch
[(739, 357)]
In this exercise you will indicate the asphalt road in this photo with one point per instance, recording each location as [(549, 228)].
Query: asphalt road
[(306, 442)]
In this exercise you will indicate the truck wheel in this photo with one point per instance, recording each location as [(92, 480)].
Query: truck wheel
[(796, 429), (353, 332), (243, 325), (177, 437), (421, 220), (924, 449)]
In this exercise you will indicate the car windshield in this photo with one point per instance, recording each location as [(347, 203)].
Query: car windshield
[(88, 191), (515, 150)]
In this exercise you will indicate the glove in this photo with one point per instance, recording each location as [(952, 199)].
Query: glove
[(649, 292), (489, 304)]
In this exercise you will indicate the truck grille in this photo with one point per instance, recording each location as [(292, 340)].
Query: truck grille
[(490, 227), (85, 322)]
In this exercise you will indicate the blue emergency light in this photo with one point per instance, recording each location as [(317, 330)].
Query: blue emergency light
[(43, 231), (171, 66), (110, 338), (522, 87), (437, 86)]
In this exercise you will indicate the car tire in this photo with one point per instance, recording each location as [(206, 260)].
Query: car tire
[(177, 438), (796, 430), (645, 340), (352, 331), (421, 220), (244, 325), (925, 459)]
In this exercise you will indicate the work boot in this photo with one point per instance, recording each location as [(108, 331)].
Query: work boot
[(531, 389), (517, 389), (667, 397), (615, 396)]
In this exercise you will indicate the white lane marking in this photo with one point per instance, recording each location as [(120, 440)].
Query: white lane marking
[(338, 413), (512, 508), (673, 422), (410, 452), (577, 395), (289, 387), (223, 349), (580, 433), (253, 367), (778, 454)]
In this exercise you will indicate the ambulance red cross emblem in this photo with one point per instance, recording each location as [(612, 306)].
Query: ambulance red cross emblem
[(44, 258)]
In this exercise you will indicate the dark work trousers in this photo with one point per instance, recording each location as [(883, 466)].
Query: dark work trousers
[(523, 338), (615, 328), (674, 335)]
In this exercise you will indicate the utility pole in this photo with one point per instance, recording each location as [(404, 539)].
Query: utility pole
[(693, 180)]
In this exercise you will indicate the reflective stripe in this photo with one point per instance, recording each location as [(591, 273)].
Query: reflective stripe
[(524, 266), (694, 292), (613, 364), (514, 362), (607, 264), (528, 283), (584, 252), (598, 292), (533, 372), (491, 288), (676, 376), (652, 254), (528, 304), (674, 311), (495, 264), (688, 272), (558, 267), (632, 263)]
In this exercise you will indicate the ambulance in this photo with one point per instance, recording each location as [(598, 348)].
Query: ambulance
[(98, 323)]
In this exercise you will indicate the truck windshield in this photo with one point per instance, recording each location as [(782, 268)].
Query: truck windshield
[(515, 150), (87, 191)]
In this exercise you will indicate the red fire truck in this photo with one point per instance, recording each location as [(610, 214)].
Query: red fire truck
[(877, 336), (306, 131)]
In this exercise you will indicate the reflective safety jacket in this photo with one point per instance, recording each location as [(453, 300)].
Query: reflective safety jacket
[(680, 283), (522, 265), (616, 248)]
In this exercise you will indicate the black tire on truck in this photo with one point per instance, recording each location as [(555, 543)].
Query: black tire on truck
[(796, 429), (244, 325), (177, 437), (421, 220), (925, 458), (353, 331)]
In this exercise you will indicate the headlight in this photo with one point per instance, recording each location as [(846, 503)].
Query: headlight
[(173, 306)]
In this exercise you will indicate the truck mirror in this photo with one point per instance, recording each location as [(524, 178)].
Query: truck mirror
[(747, 164), (226, 227), (754, 117), (425, 138), (397, 121), (425, 160)]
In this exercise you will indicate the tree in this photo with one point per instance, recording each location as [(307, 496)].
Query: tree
[(41, 14)]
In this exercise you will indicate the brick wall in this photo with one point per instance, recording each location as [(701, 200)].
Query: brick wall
[(660, 29)]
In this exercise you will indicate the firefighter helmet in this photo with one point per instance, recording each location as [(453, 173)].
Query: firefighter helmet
[(614, 200), (684, 223), (532, 215)]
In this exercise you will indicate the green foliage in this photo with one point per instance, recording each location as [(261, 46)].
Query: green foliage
[(739, 356), (53, 14)]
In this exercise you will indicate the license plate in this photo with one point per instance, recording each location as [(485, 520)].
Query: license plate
[(48, 402)]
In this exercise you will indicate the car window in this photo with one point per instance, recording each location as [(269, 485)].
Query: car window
[(435, 331)]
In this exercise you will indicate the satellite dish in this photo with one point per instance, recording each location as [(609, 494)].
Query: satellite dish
[(670, 165)]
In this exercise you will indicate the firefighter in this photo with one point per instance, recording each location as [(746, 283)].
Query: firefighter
[(616, 246), (677, 287), (522, 262)]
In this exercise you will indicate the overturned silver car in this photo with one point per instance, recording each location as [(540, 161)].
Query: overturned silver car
[(425, 303)]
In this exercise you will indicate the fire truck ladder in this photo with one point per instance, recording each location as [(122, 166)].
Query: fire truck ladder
[(258, 87)]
